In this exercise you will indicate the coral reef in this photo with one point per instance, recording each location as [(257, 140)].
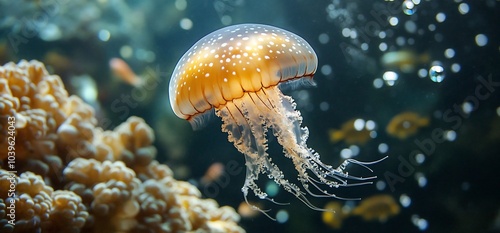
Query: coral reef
[(71, 176)]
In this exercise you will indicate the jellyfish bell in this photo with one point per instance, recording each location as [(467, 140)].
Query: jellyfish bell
[(238, 71)]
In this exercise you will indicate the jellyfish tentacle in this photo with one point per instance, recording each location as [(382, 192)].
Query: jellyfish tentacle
[(247, 120), (246, 125), (293, 137), (255, 112)]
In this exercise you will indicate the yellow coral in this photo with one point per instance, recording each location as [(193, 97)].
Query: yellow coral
[(37, 206), (105, 181)]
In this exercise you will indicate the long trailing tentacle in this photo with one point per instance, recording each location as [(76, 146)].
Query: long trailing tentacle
[(293, 137), (247, 120)]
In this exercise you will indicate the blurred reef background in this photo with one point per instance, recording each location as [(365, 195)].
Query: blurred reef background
[(99, 148)]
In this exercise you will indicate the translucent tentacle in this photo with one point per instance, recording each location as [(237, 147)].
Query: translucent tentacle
[(293, 137), (247, 121)]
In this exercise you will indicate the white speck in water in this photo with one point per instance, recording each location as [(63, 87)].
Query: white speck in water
[(383, 148), (282, 216), (481, 40), (405, 200)]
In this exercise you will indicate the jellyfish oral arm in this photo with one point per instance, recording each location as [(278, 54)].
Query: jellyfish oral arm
[(247, 120)]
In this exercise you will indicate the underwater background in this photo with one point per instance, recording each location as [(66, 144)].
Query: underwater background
[(415, 80)]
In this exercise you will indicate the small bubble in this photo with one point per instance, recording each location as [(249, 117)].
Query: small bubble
[(382, 46), (408, 7), (436, 73), (411, 26), (449, 53), (364, 46), (378, 83), (405, 200), (400, 41), (390, 77), (498, 111), (180, 5), (380, 185), (422, 73), (450, 135), (126, 51), (359, 124), (282, 216), (382, 34), (481, 40), (421, 179), (354, 150), (272, 188), (50, 32), (440, 17), (455, 67), (370, 125), (324, 106), (463, 8), (104, 35), (420, 158), (326, 70), (323, 38), (422, 224), (346, 32), (346, 153), (353, 34), (393, 21), (467, 107), (186, 23), (383, 148), (226, 19)]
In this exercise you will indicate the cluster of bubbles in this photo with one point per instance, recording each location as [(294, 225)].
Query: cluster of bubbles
[(409, 6)]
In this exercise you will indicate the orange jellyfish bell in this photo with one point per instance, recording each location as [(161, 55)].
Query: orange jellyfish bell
[(237, 71)]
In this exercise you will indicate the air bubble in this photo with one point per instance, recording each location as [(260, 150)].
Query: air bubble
[(481, 40), (405, 200), (323, 38), (282, 216), (326, 70), (449, 53), (393, 21), (383, 148), (436, 73), (463, 8), (390, 77), (378, 83), (440, 17), (409, 7), (455, 67)]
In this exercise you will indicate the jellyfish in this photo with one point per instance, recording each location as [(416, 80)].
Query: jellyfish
[(238, 72)]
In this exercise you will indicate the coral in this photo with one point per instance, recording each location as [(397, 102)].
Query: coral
[(35, 205), (111, 187), (75, 176)]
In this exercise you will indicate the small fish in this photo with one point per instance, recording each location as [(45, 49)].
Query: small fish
[(405, 60), (406, 124), (213, 173), (351, 133), (378, 207), (123, 71)]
